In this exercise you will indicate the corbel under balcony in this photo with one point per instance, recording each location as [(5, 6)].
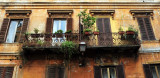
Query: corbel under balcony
[(142, 12), (68, 12), (109, 12), (25, 12)]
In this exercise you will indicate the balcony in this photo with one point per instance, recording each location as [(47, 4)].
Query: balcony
[(110, 42)]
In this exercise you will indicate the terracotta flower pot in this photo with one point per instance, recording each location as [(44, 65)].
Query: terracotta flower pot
[(87, 33), (96, 33), (121, 32), (130, 32)]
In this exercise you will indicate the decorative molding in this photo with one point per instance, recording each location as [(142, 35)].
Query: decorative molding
[(68, 12), (17, 12), (110, 12), (141, 12)]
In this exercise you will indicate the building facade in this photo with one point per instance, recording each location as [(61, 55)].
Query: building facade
[(31, 48)]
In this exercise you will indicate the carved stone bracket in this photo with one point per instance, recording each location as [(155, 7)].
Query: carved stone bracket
[(18, 12), (66, 12), (142, 12), (109, 12)]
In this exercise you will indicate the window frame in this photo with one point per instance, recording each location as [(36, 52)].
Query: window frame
[(16, 29)]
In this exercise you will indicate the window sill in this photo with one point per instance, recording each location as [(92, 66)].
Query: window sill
[(149, 41)]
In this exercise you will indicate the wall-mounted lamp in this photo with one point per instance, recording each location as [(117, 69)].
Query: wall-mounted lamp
[(82, 46)]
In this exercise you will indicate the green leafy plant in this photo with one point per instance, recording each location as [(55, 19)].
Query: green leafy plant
[(120, 29), (36, 30), (69, 48), (27, 33), (87, 20), (69, 31), (97, 31), (40, 42), (59, 32), (87, 30)]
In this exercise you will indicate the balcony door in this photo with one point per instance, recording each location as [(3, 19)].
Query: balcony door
[(105, 36)]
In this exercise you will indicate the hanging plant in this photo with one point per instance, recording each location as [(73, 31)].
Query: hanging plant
[(69, 48)]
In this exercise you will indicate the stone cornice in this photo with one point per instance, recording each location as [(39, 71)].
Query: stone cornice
[(80, 3)]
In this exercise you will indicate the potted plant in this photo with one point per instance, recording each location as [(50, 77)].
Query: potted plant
[(96, 32), (69, 31), (121, 32), (87, 21), (39, 43), (130, 31), (59, 34), (36, 35), (87, 31)]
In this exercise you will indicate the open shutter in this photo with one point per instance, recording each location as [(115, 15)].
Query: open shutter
[(120, 71), (52, 72), (61, 72), (24, 28), (69, 24), (8, 72), (97, 72), (149, 29), (4, 30), (49, 28), (147, 71)]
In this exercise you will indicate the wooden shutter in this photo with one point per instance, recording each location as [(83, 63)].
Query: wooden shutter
[(69, 24), (61, 72), (49, 28), (4, 30), (97, 72), (147, 71), (149, 29), (145, 28), (52, 72), (120, 71), (1, 72), (8, 72), (24, 28), (105, 36)]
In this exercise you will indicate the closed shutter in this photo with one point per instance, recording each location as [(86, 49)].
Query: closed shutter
[(1, 72), (105, 36), (8, 72), (52, 72), (69, 24), (49, 28), (147, 71), (120, 71), (145, 28), (61, 72), (97, 72), (4, 30), (149, 29), (24, 28)]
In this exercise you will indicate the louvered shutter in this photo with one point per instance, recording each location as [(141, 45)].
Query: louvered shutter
[(149, 29), (61, 72), (142, 29), (1, 72), (147, 71), (8, 72), (4, 30), (146, 28), (69, 24), (52, 72), (49, 28), (97, 72), (24, 28), (120, 71)]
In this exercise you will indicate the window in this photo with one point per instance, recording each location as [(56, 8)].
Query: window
[(6, 72), (55, 72), (152, 71), (14, 31), (145, 28), (59, 25), (109, 71)]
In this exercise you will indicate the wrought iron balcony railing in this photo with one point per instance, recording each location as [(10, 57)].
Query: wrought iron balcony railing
[(101, 40)]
